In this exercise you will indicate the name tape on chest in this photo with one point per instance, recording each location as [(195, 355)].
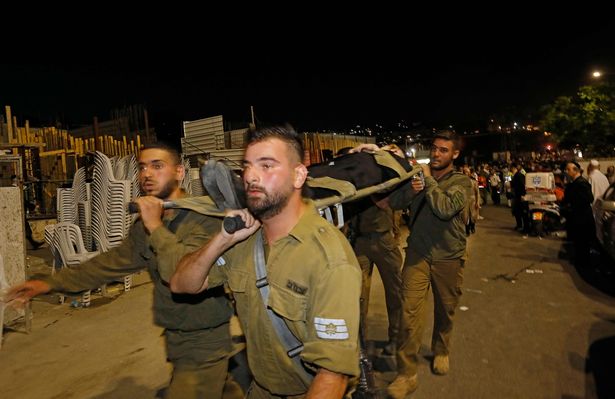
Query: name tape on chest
[(331, 328)]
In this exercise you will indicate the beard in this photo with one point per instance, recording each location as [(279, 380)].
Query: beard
[(443, 164), (165, 191), (268, 206)]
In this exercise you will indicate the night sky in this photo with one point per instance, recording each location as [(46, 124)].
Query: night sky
[(415, 75)]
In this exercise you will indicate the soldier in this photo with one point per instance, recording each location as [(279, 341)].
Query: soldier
[(311, 283), (375, 244), (197, 331), (435, 258)]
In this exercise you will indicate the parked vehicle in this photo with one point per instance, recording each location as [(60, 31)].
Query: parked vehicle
[(544, 212), (604, 215)]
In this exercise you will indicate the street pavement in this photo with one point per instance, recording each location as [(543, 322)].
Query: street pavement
[(529, 325)]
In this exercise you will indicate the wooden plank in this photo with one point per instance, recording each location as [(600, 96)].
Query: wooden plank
[(64, 164), (9, 123), (29, 138), (145, 116), (96, 136), (15, 131)]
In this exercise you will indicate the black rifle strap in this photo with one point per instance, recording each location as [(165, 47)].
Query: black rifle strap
[(174, 225)]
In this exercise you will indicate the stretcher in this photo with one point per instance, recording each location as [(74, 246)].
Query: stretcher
[(328, 193)]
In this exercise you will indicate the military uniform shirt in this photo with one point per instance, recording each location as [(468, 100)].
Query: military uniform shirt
[(438, 232), (375, 220), (315, 285), (159, 253)]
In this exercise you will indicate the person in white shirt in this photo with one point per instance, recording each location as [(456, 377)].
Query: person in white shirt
[(596, 179)]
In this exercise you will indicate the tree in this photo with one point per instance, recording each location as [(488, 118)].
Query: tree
[(586, 119)]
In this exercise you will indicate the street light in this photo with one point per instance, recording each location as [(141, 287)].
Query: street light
[(598, 74)]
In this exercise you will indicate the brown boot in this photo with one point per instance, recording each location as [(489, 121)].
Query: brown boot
[(402, 386), (440, 364)]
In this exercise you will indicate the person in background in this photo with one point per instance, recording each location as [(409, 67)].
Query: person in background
[(519, 207), (495, 183), (597, 180), (577, 207), (610, 174)]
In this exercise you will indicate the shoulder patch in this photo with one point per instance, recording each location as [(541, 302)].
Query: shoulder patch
[(331, 328)]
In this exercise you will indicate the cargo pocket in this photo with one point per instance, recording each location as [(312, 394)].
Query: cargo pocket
[(237, 282), (289, 305)]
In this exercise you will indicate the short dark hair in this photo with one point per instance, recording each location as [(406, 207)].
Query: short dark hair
[(164, 147), (448, 135), (285, 133)]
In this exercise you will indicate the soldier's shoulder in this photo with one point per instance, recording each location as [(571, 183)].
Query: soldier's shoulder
[(332, 244), (460, 178)]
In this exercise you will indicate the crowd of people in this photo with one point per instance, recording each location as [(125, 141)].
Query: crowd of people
[(298, 286), (575, 193)]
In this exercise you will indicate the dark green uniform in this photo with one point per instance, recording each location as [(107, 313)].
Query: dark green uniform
[(434, 257), (315, 284), (197, 329), (375, 244)]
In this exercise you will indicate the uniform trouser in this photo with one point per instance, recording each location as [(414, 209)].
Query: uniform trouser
[(445, 278), (200, 362), (381, 249)]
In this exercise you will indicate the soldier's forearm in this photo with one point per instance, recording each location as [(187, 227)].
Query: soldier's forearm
[(327, 384), (192, 270)]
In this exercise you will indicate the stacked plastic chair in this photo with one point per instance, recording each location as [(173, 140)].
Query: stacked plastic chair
[(94, 215), (110, 218)]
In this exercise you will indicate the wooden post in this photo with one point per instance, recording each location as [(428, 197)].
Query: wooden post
[(16, 130), (64, 165), (27, 128), (147, 138), (9, 123), (96, 133)]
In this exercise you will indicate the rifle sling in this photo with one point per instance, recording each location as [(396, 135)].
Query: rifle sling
[(291, 344)]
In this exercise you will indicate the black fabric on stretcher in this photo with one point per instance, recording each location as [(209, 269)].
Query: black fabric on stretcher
[(360, 169)]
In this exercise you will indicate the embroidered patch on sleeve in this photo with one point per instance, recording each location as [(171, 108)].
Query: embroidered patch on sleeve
[(220, 261), (331, 328)]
